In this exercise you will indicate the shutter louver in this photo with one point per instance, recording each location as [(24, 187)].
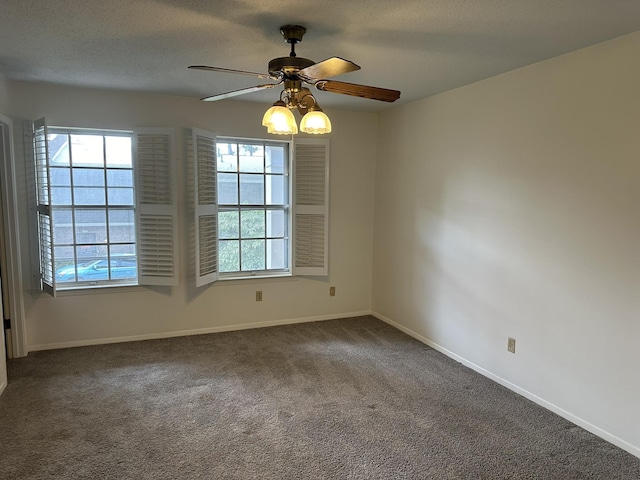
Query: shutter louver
[(206, 206), (43, 196), (208, 238), (154, 169), (157, 215), (309, 250), (156, 234), (311, 208)]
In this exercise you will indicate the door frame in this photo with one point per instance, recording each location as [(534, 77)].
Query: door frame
[(3, 355), (8, 189)]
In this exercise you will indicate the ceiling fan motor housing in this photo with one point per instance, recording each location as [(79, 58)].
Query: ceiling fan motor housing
[(288, 65)]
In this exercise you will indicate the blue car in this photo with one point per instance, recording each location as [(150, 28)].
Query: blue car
[(96, 270)]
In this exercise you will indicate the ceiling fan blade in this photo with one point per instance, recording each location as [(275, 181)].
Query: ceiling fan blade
[(228, 70), (330, 67), (374, 93), (242, 91)]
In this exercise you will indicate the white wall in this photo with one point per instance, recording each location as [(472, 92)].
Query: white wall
[(511, 207), (146, 312)]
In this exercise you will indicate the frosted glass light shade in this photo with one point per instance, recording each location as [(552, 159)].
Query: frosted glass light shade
[(279, 120), (315, 121)]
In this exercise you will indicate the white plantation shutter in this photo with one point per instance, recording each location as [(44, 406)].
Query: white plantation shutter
[(43, 207), (203, 152), (311, 207), (156, 212)]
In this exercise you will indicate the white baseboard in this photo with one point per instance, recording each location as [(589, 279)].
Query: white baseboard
[(199, 331), (3, 385), (632, 449)]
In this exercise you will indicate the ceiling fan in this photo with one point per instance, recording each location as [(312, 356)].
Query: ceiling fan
[(294, 71)]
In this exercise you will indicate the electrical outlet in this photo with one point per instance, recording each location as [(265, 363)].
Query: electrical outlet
[(511, 345), (258, 295), (332, 291)]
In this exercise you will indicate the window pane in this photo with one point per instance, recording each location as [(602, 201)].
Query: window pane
[(86, 253), (252, 224), (251, 190), (62, 227), (227, 189), (275, 159), (87, 151), (123, 251), (65, 267), (227, 157), (60, 196), (123, 268), (123, 261), (275, 189), (88, 177), (93, 270), (60, 177), (276, 254), (91, 226), (88, 196), (229, 255), (120, 196), (121, 226), (252, 158), (120, 178), (58, 145), (228, 225), (276, 223), (118, 152), (252, 255)]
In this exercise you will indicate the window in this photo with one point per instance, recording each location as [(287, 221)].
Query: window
[(253, 207), (260, 207), (105, 207), (92, 205)]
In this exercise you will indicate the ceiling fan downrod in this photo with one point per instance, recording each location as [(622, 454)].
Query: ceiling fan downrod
[(292, 34)]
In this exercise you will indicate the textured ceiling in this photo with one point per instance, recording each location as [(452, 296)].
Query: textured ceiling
[(420, 47)]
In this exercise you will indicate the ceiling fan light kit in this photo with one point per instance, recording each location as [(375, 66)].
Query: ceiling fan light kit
[(316, 122), (279, 120), (291, 72)]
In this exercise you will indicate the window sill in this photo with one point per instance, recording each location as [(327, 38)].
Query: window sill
[(89, 290), (237, 280)]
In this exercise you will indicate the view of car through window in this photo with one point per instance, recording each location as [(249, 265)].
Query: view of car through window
[(120, 269)]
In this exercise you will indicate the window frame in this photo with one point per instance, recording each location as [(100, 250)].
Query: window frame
[(286, 207), (73, 208)]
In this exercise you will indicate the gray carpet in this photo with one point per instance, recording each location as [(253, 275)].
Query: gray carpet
[(343, 399)]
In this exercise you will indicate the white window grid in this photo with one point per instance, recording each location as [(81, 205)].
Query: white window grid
[(106, 206), (264, 206)]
